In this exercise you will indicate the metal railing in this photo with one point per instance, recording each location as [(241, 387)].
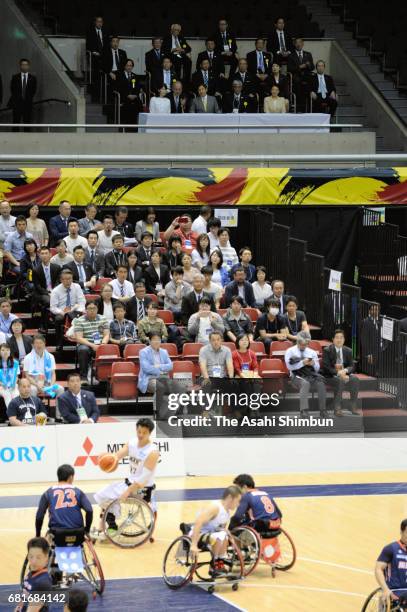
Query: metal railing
[(179, 126), (36, 103)]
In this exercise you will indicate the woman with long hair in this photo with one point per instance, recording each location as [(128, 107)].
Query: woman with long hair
[(30, 261), (9, 372), (220, 275), (37, 227), (200, 255)]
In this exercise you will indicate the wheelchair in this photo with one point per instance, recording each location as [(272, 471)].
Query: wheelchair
[(134, 518), (181, 568), (274, 547), (72, 558), (377, 603)]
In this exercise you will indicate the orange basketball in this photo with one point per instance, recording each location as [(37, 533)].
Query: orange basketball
[(108, 462)]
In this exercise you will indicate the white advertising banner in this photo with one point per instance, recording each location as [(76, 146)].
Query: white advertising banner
[(28, 454)]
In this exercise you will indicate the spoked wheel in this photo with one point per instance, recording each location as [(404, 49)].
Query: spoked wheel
[(234, 561), (135, 522), (377, 603), (92, 569), (178, 564), (288, 553), (248, 542)]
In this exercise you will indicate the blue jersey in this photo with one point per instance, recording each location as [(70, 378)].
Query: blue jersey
[(395, 555), (64, 504), (37, 582), (257, 505)]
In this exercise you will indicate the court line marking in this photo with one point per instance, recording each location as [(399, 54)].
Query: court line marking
[(338, 565), (304, 588)]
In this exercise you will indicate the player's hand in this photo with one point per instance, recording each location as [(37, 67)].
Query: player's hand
[(124, 495), (194, 550)]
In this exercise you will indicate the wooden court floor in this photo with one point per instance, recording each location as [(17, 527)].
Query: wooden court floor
[(337, 537)]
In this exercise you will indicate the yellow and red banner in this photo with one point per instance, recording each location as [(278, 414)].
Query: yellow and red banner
[(195, 186)]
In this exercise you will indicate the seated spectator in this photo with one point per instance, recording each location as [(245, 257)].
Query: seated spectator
[(116, 257), (6, 317), (270, 326), (94, 256), (338, 367), (39, 369), (189, 271), (145, 249), (214, 225), (303, 365), (281, 80), (164, 76), (206, 77), (151, 323), (28, 263), (90, 330), (259, 62), (200, 224), (82, 272), (204, 103), (294, 319), (137, 306), (178, 99), (230, 257), (89, 222), (106, 302), (105, 236), (123, 289), (244, 359), (159, 103), (154, 57), (58, 225), (200, 255), (280, 42), (261, 288), (24, 409), (176, 47), (113, 58), (62, 258), (236, 321), (155, 366), (214, 290), (9, 373), (241, 287), (220, 275), (274, 103), (191, 301), (121, 224), (202, 323), (237, 102), (7, 226), (20, 343), (14, 244), (148, 224), (225, 45), (134, 273), (245, 256), (173, 256), (36, 227), (77, 406), (156, 275), (248, 80), (122, 331), (74, 239), (45, 278), (175, 290), (216, 363), (66, 301), (216, 63), (278, 288), (181, 226), (323, 91)]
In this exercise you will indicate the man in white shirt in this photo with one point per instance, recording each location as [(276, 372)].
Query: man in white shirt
[(123, 289), (7, 226), (39, 368), (74, 239), (199, 224), (67, 300), (106, 234), (323, 91)]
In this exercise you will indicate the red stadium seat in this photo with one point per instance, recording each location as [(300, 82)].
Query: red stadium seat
[(190, 350), (252, 313), (222, 311), (258, 348), (153, 297), (279, 347), (124, 381), (171, 349), (106, 356), (185, 367), (276, 370), (91, 296), (131, 351), (230, 345), (167, 316), (315, 346), (101, 282)]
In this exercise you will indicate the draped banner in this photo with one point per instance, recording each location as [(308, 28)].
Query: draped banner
[(195, 186)]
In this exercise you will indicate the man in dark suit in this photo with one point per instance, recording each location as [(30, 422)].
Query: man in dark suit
[(205, 76), (279, 295), (236, 102), (238, 286), (178, 100), (372, 343), (165, 74), (58, 225), (121, 224), (216, 63), (301, 64), (154, 57), (75, 405), (82, 272), (280, 42), (323, 91), (23, 87), (190, 302), (225, 45), (116, 257), (97, 41), (145, 250), (176, 47), (93, 255), (281, 80), (259, 61), (113, 59), (45, 278), (338, 367), (128, 86), (136, 307), (249, 84)]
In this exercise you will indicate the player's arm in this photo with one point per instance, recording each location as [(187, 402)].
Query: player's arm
[(39, 517), (382, 563), (123, 452), (239, 515), (86, 506), (148, 467), (204, 517)]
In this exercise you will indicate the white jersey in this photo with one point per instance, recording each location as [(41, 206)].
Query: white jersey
[(219, 522), (137, 457)]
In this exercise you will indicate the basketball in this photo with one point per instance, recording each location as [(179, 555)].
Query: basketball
[(108, 462)]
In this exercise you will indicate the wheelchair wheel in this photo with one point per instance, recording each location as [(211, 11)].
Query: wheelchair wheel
[(135, 522), (234, 560), (23, 572), (178, 564), (92, 569), (376, 603), (248, 542), (288, 553)]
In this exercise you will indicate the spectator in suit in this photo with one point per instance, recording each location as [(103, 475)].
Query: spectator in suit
[(23, 87), (90, 330), (239, 286), (115, 257), (106, 302), (281, 80), (203, 103), (275, 103), (145, 249), (259, 62), (163, 75), (93, 255), (236, 102), (89, 221), (279, 295), (148, 224), (121, 224), (249, 84), (129, 88), (173, 255), (338, 367), (160, 104), (280, 42), (77, 406), (20, 343), (154, 57), (191, 301), (114, 59), (134, 272), (372, 343), (216, 63), (205, 76), (82, 272), (245, 256), (58, 225), (156, 275), (28, 263), (236, 321), (137, 305), (323, 91), (300, 64), (45, 278), (178, 100), (225, 45), (97, 41), (179, 50)]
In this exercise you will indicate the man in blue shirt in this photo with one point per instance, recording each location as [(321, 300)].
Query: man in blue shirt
[(37, 581), (257, 508), (6, 317), (14, 243), (391, 568)]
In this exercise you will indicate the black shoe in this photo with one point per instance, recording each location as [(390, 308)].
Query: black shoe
[(304, 413), (324, 414)]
